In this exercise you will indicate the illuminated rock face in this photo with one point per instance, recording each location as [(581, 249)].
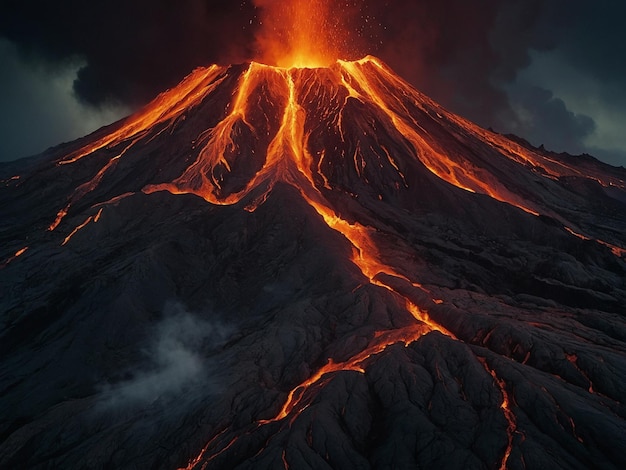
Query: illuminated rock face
[(310, 268)]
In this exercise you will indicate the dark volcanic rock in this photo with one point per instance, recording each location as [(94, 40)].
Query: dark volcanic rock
[(272, 268)]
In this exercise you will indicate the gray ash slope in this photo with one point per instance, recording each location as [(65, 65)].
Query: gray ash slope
[(272, 268)]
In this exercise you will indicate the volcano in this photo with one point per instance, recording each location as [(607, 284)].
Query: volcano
[(310, 268)]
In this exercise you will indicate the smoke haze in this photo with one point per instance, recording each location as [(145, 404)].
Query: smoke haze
[(175, 365)]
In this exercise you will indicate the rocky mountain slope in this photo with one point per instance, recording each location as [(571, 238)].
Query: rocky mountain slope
[(310, 268)]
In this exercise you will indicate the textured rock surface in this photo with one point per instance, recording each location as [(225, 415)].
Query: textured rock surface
[(183, 314)]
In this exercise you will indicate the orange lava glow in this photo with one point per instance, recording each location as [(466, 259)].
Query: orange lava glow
[(17, 254), (20, 252), (62, 213), (286, 156), (508, 413), (197, 459), (288, 150), (381, 341), (113, 201), (91, 218), (165, 108), (297, 33), (616, 250), (296, 401), (371, 82), (573, 359), (459, 173)]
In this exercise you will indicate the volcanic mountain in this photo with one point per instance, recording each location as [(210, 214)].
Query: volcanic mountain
[(310, 268)]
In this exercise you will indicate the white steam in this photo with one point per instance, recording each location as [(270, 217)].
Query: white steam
[(176, 366)]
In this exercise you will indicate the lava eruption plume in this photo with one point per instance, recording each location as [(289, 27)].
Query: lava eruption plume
[(299, 33)]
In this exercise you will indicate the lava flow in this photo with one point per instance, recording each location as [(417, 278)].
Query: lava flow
[(91, 218), (289, 113), (165, 109), (335, 214), (284, 148), (508, 413), (295, 402), (352, 134), (17, 254), (381, 341)]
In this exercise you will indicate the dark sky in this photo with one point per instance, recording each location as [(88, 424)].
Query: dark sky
[(551, 71)]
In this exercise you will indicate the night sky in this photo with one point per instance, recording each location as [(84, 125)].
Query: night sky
[(551, 71)]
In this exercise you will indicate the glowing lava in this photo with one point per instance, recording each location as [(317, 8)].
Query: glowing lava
[(17, 254), (295, 126), (505, 406), (92, 218), (275, 107), (165, 108), (298, 398), (298, 33), (369, 161)]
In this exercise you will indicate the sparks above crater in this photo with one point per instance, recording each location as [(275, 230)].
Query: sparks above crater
[(303, 34)]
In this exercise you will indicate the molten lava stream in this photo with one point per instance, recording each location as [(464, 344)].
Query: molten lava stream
[(294, 405), (94, 218), (194, 179), (196, 460), (616, 250), (366, 257), (508, 413), (165, 107), (436, 161), (87, 187), (60, 215), (288, 160), (382, 341), (17, 254)]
